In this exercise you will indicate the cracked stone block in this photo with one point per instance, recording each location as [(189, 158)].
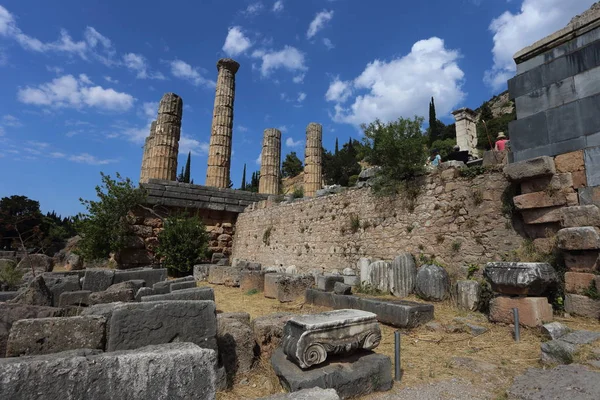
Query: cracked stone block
[(580, 238), (516, 278), (530, 169)]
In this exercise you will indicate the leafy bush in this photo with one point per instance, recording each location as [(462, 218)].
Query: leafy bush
[(10, 276), (445, 147), (298, 192), (104, 228), (368, 289), (354, 223), (182, 242)]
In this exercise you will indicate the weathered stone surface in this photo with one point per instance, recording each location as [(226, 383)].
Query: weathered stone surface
[(163, 287), (403, 275), (582, 305), (36, 294), (362, 266), (399, 313), (348, 272), (200, 293), (271, 285), (292, 287), (241, 316), (184, 369), (143, 291), (577, 282), (73, 262), (468, 295), (79, 298), (351, 280), (97, 280), (533, 311), (61, 283), (544, 199), (542, 215), (252, 280), (576, 216), (141, 324), (149, 275), (342, 288), (546, 384), (327, 282), (554, 330), (557, 352), (268, 331), (470, 327), (111, 296), (183, 285), (570, 162), (515, 278), (40, 263), (52, 335), (201, 272), (582, 261), (309, 339), (6, 296), (433, 283), (557, 182), (235, 340), (306, 394), (378, 276), (223, 275), (10, 313), (581, 238), (134, 285), (357, 375), (530, 169)]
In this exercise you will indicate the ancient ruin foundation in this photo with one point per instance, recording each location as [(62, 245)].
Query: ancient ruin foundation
[(162, 146), (270, 162), (219, 153), (313, 169), (466, 129)]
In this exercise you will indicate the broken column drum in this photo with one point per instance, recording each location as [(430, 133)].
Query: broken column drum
[(308, 339), (313, 154), (270, 162), (466, 129), (162, 146), (219, 153)]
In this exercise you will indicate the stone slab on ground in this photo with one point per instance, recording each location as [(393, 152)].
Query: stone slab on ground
[(185, 370), (359, 374), (291, 287), (327, 282), (137, 325), (306, 394), (235, 340), (53, 335), (342, 288), (554, 330), (399, 313), (467, 295), (573, 382), (144, 291), (182, 285), (533, 311), (78, 298), (201, 293), (201, 272), (223, 275), (111, 296), (582, 306), (270, 285), (97, 280), (252, 280), (36, 294), (150, 275), (516, 278), (59, 284), (6, 296)]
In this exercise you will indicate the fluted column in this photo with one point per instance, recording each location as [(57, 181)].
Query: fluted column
[(147, 144), (163, 147), (270, 162), (313, 154), (219, 152)]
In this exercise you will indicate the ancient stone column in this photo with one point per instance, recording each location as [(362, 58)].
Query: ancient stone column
[(270, 162), (163, 143), (466, 129), (219, 153), (147, 144), (313, 154)]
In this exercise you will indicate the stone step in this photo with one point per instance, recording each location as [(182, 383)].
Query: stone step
[(530, 169), (577, 216), (580, 238)]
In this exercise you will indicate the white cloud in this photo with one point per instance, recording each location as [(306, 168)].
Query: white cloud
[(1, 131), (299, 78), (289, 58), (110, 80), (83, 78), (301, 97), (283, 128), (85, 158), (327, 42), (253, 9), (181, 69), (401, 87), (57, 154), (138, 63), (150, 109), (56, 70), (338, 91), (258, 160), (512, 32), (236, 42), (187, 144), (242, 128), (319, 23), (9, 120), (67, 91), (289, 142), (278, 6)]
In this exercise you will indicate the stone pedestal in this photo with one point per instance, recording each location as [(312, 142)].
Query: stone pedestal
[(533, 311), (513, 278), (308, 339)]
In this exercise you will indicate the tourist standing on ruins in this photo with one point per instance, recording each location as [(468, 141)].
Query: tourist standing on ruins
[(437, 159), (501, 142)]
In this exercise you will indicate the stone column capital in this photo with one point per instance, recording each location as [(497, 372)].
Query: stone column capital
[(229, 64)]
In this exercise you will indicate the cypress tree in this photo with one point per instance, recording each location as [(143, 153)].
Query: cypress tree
[(336, 147), (433, 131), (244, 178), (186, 175)]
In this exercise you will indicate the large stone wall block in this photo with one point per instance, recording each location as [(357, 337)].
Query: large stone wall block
[(433, 283), (468, 295), (582, 306), (292, 287), (574, 217), (562, 182), (403, 275), (252, 280), (148, 323), (582, 261), (97, 280), (515, 278), (198, 294), (149, 275), (533, 311), (580, 238), (59, 284), (171, 371), (577, 282), (545, 199), (236, 345), (53, 335), (327, 282), (78, 298), (378, 276), (271, 285), (530, 169)]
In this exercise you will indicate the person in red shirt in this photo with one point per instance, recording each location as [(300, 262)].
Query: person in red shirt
[(501, 142)]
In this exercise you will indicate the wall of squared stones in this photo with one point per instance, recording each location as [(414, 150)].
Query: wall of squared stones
[(456, 220)]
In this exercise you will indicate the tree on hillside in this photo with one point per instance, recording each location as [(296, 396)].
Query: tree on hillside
[(291, 165), (254, 182), (433, 130), (184, 176), (341, 166), (337, 149), (243, 187), (488, 131)]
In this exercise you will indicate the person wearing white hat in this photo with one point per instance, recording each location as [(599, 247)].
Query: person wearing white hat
[(501, 142)]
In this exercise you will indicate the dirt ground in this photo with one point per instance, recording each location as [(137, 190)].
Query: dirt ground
[(465, 367)]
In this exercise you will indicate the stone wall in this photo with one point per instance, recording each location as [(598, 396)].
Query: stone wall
[(457, 220)]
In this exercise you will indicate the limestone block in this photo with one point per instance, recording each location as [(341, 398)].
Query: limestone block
[(61, 283), (271, 285), (570, 162), (134, 285), (581, 238), (97, 280), (149, 275), (582, 261), (351, 280), (554, 330), (241, 316), (363, 266), (40, 263), (433, 283), (579, 179), (78, 298), (514, 278), (327, 282), (162, 287), (268, 331), (235, 340), (533, 311), (52, 335), (530, 169), (468, 295), (582, 306), (342, 288), (544, 199), (201, 272), (348, 272), (378, 274), (576, 282), (308, 339), (576, 216), (36, 294), (183, 285), (492, 157), (252, 280), (184, 368), (542, 215), (403, 275), (558, 182), (144, 291), (292, 287), (112, 296), (137, 325), (199, 293), (306, 394), (223, 275)]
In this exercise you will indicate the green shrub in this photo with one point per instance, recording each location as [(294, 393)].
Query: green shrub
[(354, 223), (182, 243), (267, 236), (298, 192), (367, 288), (352, 180), (10, 276)]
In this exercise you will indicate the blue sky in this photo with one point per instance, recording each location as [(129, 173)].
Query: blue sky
[(80, 80)]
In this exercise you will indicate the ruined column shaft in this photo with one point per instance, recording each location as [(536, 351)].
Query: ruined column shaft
[(270, 162), (466, 129), (163, 143), (147, 144), (219, 154), (313, 154)]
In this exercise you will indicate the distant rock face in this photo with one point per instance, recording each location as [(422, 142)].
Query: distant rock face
[(512, 278), (433, 283)]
